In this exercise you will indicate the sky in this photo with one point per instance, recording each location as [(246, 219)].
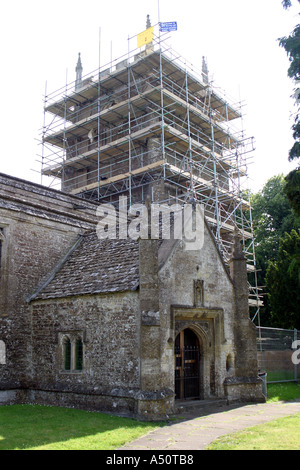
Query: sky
[(40, 42)]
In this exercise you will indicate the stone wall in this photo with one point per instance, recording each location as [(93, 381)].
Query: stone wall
[(128, 337), (179, 310), (109, 328), (39, 226)]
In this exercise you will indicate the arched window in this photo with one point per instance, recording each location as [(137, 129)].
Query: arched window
[(72, 352), (67, 354), (78, 354), (229, 363)]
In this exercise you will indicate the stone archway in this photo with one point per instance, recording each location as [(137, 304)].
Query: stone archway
[(188, 370), (208, 325)]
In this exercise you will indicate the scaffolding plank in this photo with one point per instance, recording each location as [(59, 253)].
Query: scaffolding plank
[(119, 177)]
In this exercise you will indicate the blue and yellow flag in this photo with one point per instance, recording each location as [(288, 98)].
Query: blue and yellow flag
[(145, 37)]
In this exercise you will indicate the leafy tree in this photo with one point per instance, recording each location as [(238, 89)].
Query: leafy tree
[(291, 44), (292, 190), (272, 217), (283, 281), (276, 225)]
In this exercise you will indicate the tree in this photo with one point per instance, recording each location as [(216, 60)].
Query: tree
[(291, 44), (272, 217), (292, 190), (283, 281)]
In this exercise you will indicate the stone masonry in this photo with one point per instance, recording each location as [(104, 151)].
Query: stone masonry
[(124, 302)]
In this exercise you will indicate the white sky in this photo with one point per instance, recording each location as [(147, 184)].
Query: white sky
[(40, 42)]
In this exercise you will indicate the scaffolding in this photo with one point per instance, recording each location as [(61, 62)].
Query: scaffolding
[(151, 122)]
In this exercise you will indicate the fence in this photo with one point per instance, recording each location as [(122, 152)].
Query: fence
[(277, 354)]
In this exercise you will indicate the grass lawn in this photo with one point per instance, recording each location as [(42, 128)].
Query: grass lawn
[(32, 427), (281, 434), (283, 392)]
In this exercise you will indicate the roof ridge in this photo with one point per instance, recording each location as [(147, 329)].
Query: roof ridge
[(57, 268)]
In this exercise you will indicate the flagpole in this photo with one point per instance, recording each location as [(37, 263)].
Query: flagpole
[(158, 12), (158, 9)]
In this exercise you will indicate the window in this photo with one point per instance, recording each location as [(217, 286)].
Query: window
[(229, 363), (67, 354), (78, 354), (72, 352)]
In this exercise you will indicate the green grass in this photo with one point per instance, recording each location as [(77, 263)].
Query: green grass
[(281, 434), (283, 392), (32, 427)]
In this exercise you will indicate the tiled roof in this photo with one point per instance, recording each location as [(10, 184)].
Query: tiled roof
[(94, 266)]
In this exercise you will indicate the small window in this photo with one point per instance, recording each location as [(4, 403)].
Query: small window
[(72, 352), (78, 354), (67, 354), (229, 363)]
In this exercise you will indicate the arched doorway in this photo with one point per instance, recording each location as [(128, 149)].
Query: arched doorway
[(187, 365)]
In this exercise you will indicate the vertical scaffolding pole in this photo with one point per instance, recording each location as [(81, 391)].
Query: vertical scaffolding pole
[(218, 237), (44, 131), (237, 162), (257, 313), (161, 98), (64, 134), (98, 119), (189, 133), (129, 129)]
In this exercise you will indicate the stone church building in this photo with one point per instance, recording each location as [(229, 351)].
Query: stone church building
[(124, 326), (129, 325)]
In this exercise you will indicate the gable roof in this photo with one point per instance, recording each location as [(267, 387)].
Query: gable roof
[(93, 266)]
